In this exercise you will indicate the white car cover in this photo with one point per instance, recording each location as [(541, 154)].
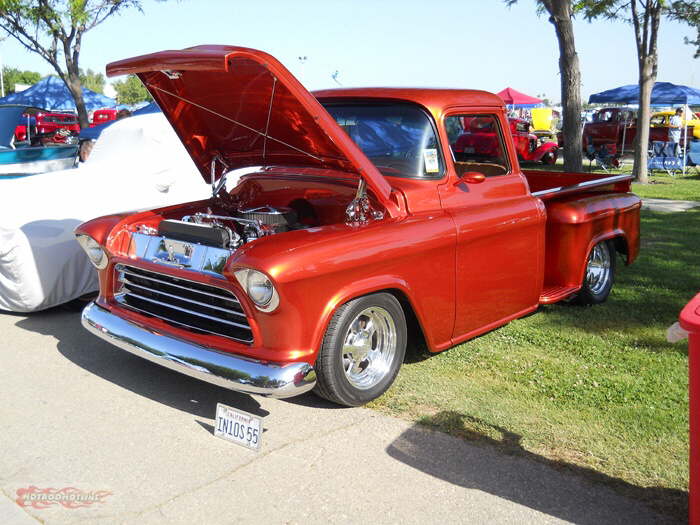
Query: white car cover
[(137, 163)]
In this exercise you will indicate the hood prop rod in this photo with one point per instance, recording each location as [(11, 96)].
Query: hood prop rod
[(216, 187)]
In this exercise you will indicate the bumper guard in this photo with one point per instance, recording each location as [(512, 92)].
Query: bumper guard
[(278, 380)]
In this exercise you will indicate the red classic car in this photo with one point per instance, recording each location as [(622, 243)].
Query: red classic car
[(615, 125), (100, 116), (358, 224), (52, 125), (478, 134)]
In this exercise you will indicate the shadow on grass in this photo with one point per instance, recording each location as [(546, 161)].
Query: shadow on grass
[(504, 468)]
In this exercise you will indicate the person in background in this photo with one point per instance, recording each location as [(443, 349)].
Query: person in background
[(674, 131)]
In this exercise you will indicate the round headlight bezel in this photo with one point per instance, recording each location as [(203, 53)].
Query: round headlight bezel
[(96, 254), (259, 288)]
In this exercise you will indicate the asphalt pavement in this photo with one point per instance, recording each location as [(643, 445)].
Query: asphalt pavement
[(82, 419)]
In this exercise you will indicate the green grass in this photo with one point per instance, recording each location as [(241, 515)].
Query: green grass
[(661, 185), (596, 390)]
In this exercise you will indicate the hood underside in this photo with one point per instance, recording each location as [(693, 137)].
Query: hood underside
[(234, 107)]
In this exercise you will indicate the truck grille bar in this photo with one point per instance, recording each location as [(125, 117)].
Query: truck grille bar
[(180, 302)]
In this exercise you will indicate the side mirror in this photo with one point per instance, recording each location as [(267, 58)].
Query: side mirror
[(471, 177)]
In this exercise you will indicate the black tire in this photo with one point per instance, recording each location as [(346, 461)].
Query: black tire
[(550, 158), (597, 281), (346, 387)]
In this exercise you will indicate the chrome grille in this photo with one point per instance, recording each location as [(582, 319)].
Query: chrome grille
[(196, 306)]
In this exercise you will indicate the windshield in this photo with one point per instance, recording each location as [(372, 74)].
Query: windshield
[(398, 138)]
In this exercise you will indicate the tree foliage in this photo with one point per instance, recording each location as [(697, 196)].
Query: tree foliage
[(92, 80), (645, 17), (54, 30), (12, 76), (131, 91)]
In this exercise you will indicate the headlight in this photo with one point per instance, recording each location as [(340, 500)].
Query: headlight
[(94, 251), (259, 288)]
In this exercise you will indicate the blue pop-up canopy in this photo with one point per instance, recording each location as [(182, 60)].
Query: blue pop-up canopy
[(52, 93), (663, 93)]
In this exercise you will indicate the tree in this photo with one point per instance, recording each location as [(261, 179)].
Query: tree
[(92, 80), (131, 91), (12, 76), (54, 29), (561, 13), (645, 17)]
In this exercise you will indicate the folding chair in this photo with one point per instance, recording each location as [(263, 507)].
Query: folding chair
[(605, 156), (693, 158), (663, 157)]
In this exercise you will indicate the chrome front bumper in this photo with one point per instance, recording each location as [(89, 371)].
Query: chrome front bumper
[(219, 368)]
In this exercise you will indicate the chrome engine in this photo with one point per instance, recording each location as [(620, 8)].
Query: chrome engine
[(230, 231)]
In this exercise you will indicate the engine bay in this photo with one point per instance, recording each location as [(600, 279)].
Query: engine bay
[(232, 230)]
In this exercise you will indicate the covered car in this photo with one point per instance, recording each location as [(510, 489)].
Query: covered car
[(137, 163)]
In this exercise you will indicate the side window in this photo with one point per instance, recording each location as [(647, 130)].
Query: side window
[(477, 144)]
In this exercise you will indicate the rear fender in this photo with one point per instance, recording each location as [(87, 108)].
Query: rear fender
[(575, 225)]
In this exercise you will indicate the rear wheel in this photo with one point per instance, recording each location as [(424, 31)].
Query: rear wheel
[(600, 274), (362, 350)]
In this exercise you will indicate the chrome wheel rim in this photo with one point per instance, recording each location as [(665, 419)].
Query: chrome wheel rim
[(598, 268), (369, 347)]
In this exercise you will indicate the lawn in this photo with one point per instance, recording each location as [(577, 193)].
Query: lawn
[(596, 390)]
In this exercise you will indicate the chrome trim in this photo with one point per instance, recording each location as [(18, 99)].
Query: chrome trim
[(126, 270), (598, 269), (202, 310), (230, 371), (179, 323), (202, 259), (369, 347), (180, 309), (128, 284), (586, 184)]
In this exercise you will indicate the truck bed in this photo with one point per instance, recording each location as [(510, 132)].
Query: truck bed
[(551, 184)]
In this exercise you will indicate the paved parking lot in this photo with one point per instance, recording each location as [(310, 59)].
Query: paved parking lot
[(78, 413)]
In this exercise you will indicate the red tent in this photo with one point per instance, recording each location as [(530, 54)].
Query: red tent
[(515, 98)]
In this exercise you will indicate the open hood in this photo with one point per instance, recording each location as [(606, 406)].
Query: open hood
[(234, 107)]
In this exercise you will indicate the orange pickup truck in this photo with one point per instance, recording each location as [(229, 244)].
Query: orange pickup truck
[(357, 227)]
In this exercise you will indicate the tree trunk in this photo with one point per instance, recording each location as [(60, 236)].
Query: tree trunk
[(76, 88), (641, 140), (560, 11)]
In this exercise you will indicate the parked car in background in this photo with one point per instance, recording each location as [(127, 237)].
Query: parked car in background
[(101, 116), (662, 119), (362, 219), (478, 135), (37, 124), (36, 153), (615, 125)]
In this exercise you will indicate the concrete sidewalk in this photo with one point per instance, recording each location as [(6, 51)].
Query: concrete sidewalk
[(668, 205), (76, 412)]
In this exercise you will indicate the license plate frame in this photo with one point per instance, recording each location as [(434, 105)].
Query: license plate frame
[(238, 426)]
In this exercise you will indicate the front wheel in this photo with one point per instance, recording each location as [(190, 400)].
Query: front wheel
[(600, 274), (550, 158), (362, 350)]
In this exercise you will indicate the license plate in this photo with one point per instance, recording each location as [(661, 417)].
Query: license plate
[(240, 427), (468, 150)]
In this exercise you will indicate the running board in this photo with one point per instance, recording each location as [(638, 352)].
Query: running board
[(552, 294)]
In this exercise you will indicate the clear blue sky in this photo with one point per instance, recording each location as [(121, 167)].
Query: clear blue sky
[(469, 43)]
